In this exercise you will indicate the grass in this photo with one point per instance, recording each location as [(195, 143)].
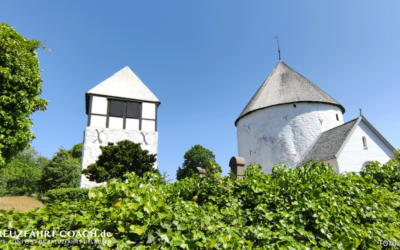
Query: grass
[(20, 203)]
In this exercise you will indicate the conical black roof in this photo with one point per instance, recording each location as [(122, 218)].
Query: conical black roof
[(285, 86)]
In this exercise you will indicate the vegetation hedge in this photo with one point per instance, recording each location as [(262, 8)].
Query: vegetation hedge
[(310, 207), (67, 195)]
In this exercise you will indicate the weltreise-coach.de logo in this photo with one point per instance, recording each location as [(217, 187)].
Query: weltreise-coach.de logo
[(52, 234)]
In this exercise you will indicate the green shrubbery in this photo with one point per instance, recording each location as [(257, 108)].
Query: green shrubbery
[(29, 173), (310, 207), (66, 195), (117, 159)]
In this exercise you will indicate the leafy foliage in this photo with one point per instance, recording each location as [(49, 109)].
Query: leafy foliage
[(20, 87), (63, 171), (116, 160), (388, 175), (197, 156), (66, 195), (165, 177), (76, 152), (397, 154), (310, 207), (21, 174)]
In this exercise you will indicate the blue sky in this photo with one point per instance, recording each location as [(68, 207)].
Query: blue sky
[(204, 60)]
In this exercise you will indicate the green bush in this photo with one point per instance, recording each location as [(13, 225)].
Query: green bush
[(62, 171), (116, 160), (310, 207), (66, 195), (387, 176)]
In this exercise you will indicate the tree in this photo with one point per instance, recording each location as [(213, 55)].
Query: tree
[(21, 174), (63, 171), (197, 156), (76, 152), (397, 154), (165, 177), (20, 87), (116, 160)]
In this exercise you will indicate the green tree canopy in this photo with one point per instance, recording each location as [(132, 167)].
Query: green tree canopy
[(20, 87), (116, 160), (21, 174), (197, 156), (76, 152), (63, 171)]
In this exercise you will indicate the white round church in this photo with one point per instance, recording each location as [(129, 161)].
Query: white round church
[(291, 120)]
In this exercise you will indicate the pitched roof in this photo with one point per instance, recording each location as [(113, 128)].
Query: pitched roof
[(124, 84), (284, 86), (328, 144), (377, 133)]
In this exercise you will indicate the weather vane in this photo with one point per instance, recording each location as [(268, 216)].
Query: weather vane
[(279, 50)]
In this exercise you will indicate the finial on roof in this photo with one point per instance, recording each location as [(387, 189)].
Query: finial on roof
[(360, 112), (279, 50)]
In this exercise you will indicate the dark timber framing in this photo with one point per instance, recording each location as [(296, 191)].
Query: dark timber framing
[(108, 111), (90, 111), (156, 106), (140, 118), (124, 122)]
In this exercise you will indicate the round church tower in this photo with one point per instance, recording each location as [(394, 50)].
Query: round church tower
[(284, 118)]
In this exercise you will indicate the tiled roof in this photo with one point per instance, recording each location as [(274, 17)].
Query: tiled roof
[(328, 143), (284, 86)]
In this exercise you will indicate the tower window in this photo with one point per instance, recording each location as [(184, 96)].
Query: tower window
[(294, 105), (364, 139), (133, 110), (117, 108), (337, 117), (124, 115)]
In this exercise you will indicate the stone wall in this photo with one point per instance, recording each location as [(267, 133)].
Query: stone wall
[(96, 137)]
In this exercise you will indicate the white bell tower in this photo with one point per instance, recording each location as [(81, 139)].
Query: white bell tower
[(284, 118), (120, 108)]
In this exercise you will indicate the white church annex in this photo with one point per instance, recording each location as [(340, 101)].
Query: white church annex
[(291, 120), (120, 108)]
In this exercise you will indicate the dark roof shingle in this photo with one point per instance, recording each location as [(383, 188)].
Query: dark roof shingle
[(283, 86), (328, 143)]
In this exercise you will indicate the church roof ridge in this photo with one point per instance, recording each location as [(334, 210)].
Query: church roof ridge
[(284, 85), (124, 84), (328, 143)]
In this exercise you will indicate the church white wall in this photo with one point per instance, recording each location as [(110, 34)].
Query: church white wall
[(148, 125), (98, 121), (92, 141), (148, 110), (354, 155), (132, 124), (283, 133), (99, 105), (115, 122), (334, 163)]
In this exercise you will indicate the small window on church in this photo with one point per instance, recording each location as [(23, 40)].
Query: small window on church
[(337, 117), (117, 108), (133, 110), (365, 142), (294, 105)]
